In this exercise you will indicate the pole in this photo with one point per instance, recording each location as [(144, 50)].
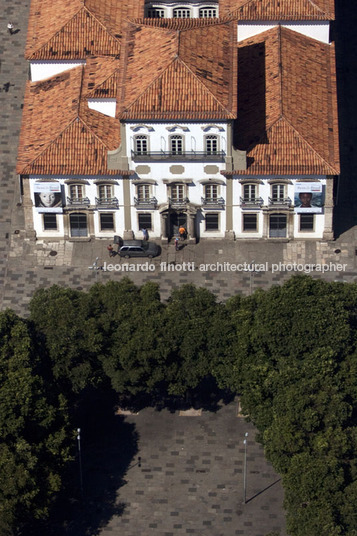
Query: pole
[(245, 470), (80, 461)]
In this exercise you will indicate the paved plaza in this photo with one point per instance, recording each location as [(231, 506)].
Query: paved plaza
[(185, 477)]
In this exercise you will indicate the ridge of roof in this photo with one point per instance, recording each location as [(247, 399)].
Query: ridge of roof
[(147, 98), (281, 10)]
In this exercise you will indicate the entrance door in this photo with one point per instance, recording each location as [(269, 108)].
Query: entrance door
[(277, 226), (176, 220), (78, 224)]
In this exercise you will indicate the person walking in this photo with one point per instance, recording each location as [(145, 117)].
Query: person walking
[(145, 234), (10, 28), (177, 244), (110, 250)]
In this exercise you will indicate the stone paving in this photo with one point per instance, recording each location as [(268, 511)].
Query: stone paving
[(190, 479)]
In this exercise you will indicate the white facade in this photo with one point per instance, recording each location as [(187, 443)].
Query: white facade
[(104, 106), (319, 30), (88, 196), (40, 70)]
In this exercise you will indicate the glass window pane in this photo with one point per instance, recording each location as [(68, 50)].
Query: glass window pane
[(212, 222)]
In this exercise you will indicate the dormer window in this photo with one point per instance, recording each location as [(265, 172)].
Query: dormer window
[(155, 13), (176, 144), (181, 13), (208, 12)]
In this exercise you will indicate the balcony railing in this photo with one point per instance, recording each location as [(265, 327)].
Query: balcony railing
[(150, 202), (212, 202), (251, 202), (107, 202), (213, 156), (178, 203), (286, 201), (78, 201)]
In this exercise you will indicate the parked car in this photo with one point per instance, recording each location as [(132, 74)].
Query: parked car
[(138, 248)]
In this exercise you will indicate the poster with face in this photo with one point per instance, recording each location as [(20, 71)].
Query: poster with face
[(308, 197), (48, 197)]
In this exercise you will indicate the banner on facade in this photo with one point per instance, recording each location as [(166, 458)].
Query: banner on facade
[(308, 197), (48, 197)]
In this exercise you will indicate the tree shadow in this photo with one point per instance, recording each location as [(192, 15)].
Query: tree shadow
[(108, 449)]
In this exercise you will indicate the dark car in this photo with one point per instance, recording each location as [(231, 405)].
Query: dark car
[(138, 248)]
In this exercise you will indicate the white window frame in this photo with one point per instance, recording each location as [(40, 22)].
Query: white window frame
[(206, 12), (280, 188), (77, 191), (211, 144), (146, 188), (140, 140), (211, 191), (179, 189), (174, 142), (252, 192), (181, 13)]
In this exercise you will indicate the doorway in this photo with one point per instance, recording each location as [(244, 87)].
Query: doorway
[(277, 226), (176, 220), (78, 224)]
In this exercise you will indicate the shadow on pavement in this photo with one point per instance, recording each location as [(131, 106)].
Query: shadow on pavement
[(108, 448)]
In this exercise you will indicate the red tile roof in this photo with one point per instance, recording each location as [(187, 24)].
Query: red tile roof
[(277, 9), (172, 74), (287, 110), (60, 135), (74, 29)]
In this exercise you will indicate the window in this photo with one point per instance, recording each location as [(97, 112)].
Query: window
[(278, 192), (141, 144), (211, 192), (106, 222), (76, 191), (211, 144), (181, 13), (143, 192), (177, 192), (250, 222), (144, 221), (306, 222), (249, 192), (105, 192), (208, 12), (50, 222), (154, 13), (212, 222), (176, 144)]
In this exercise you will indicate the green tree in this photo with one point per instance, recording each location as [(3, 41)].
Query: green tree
[(33, 430), (68, 332)]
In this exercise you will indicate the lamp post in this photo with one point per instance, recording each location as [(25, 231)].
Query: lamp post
[(80, 460), (245, 441)]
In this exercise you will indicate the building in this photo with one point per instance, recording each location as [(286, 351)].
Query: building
[(221, 117)]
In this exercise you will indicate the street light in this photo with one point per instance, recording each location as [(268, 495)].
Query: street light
[(80, 460), (245, 469)]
